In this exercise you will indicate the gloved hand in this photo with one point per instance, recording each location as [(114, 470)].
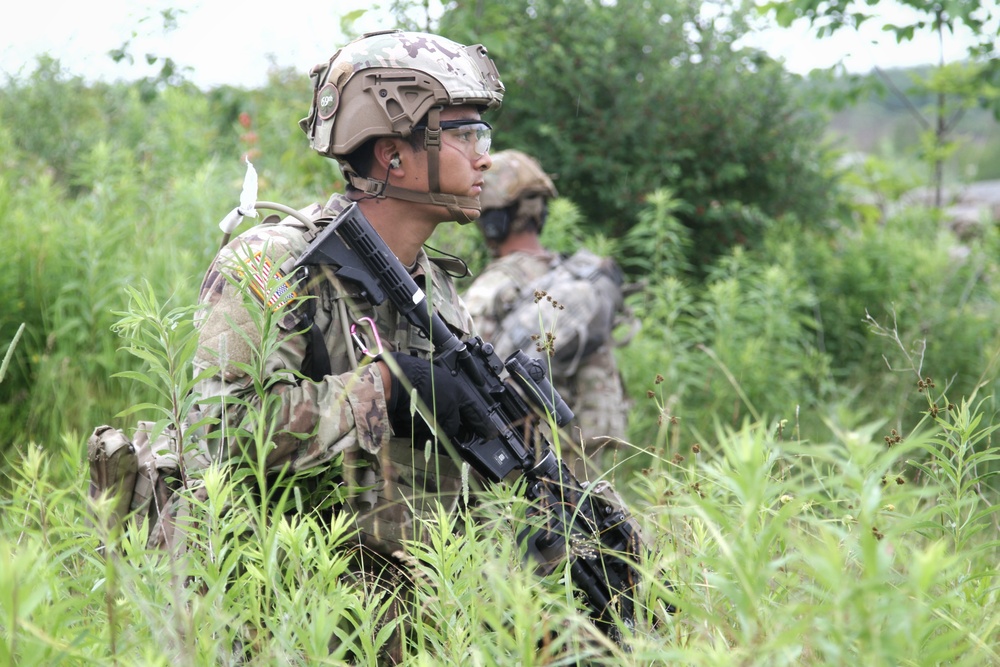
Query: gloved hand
[(455, 411)]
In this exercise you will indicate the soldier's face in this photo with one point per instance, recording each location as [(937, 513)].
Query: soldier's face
[(461, 166)]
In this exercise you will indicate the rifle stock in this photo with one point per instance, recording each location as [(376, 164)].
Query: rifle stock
[(576, 521)]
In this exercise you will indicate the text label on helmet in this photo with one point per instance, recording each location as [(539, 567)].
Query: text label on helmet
[(329, 100)]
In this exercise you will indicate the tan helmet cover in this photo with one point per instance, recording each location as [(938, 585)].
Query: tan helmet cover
[(514, 175), (514, 197), (383, 84)]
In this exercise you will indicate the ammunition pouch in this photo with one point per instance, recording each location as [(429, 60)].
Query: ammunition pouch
[(138, 473)]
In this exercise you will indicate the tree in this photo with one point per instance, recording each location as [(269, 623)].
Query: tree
[(169, 73), (619, 101), (955, 87)]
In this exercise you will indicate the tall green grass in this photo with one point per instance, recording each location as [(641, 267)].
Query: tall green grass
[(873, 547), (115, 188)]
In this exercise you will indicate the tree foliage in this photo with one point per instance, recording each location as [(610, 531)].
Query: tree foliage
[(954, 87), (940, 16), (620, 103), (120, 187)]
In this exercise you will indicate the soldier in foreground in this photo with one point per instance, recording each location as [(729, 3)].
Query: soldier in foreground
[(560, 308), (331, 345), (400, 112)]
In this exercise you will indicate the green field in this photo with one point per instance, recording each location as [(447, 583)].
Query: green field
[(810, 441)]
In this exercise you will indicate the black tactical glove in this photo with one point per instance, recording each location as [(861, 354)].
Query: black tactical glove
[(455, 411)]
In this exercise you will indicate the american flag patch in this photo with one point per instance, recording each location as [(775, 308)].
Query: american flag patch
[(268, 284)]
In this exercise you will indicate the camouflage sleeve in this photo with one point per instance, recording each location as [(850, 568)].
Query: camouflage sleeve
[(490, 297), (251, 328), (597, 396)]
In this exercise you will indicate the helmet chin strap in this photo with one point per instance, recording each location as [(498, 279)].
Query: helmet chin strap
[(432, 142)]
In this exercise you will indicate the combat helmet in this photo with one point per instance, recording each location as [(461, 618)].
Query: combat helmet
[(514, 197), (383, 84)]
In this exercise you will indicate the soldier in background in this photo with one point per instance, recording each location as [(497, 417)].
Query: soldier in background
[(560, 308)]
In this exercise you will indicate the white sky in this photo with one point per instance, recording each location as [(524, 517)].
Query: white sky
[(236, 41)]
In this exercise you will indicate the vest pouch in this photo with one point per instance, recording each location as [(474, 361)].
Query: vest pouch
[(138, 474), (156, 471), (113, 470)]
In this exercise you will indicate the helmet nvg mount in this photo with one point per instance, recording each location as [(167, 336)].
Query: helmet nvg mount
[(514, 196), (385, 83)]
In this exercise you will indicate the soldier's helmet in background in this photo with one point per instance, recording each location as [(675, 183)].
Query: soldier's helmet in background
[(515, 195)]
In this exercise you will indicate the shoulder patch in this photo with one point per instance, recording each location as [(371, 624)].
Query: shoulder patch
[(269, 285)]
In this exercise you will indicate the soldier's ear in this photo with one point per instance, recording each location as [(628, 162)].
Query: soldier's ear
[(386, 155)]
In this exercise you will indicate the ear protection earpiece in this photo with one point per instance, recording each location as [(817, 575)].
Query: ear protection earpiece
[(495, 224), (394, 162)]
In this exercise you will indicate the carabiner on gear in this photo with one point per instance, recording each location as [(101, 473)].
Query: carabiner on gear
[(361, 344)]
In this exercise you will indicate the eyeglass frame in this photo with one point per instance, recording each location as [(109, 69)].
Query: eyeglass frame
[(446, 125)]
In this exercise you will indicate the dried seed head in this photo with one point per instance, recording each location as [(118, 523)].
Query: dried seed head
[(582, 548)]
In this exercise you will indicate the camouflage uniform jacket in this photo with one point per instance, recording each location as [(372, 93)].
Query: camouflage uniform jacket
[(589, 381), (339, 422)]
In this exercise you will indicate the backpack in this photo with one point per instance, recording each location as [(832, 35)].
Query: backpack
[(583, 294)]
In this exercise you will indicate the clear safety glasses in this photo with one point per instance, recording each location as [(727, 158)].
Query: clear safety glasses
[(472, 136)]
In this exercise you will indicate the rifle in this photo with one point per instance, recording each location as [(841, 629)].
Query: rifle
[(576, 521)]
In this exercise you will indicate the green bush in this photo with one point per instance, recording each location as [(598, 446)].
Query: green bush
[(743, 343), (118, 186), (901, 293), (617, 104)]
